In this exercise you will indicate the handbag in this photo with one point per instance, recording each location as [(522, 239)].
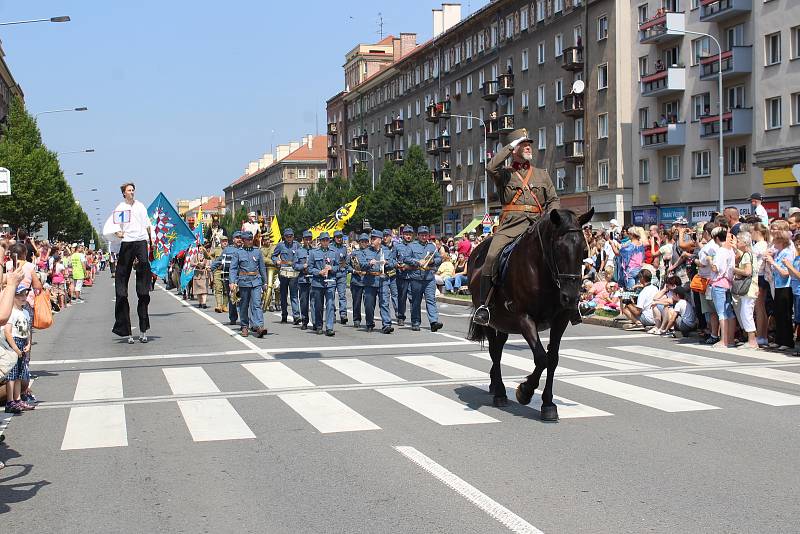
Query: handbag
[(42, 313), (741, 286), (698, 284), (8, 359)]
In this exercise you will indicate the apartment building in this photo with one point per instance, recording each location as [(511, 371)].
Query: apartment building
[(9, 88), (337, 144), (293, 168), (677, 103), (509, 65)]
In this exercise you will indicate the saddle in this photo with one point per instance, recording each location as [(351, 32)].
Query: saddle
[(505, 255)]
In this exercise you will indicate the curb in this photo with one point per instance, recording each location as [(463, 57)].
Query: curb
[(454, 301)]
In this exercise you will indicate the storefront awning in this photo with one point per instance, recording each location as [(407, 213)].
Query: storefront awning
[(777, 178), (474, 223)]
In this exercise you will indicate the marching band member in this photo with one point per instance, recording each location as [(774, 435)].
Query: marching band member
[(304, 278), (423, 261), (357, 269), (249, 275), (216, 240), (375, 284), (223, 265), (267, 249), (323, 264), (403, 274), (341, 274), (391, 272), (285, 256)]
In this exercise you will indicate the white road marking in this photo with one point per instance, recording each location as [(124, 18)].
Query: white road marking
[(367, 346), (523, 364), (680, 357), (771, 374), (327, 413), (361, 371), (493, 508), (435, 407), (646, 397), (276, 375), (206, 419), (747, 353), (567, 409), (441, 366), (4, 419), (92, 427), (143, 357), (732, 389), (602, 360)]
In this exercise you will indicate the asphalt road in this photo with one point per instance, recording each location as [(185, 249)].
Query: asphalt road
[(203, 431)]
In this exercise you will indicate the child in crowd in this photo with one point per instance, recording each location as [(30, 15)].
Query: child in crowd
[(17, 334)]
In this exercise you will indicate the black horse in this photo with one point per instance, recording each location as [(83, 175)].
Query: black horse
[(540, 291)]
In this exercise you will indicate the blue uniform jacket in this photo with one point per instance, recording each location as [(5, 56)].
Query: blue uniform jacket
[(372, 278), (403, 251), (390, 255), (301, 265), (223, 261), (355, 278), (285, 253), (248, 261), (341, 251), (418, 251), (318, 259)]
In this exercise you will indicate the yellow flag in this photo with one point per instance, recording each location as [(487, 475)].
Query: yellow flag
[(274, 231), (336, 220)]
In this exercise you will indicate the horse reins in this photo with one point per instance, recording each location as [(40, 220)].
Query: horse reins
[(551, 263)]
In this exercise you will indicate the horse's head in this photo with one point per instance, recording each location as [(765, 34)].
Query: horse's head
[(568, 252)]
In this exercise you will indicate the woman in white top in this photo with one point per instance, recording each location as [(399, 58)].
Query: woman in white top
[(760, 246), (744, 305)]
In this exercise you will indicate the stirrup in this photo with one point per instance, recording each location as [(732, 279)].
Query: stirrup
[(482, 315)]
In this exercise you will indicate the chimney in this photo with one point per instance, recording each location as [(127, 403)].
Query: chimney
[(294, 145), (408, 42), (252, 167), (451, 15), (265, 161), (310, 141), (281, 151), (438, 22)]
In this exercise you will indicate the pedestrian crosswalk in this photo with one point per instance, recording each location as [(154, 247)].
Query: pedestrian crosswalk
[(609, 381)]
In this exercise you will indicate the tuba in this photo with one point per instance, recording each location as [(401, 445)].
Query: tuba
[(355, 264)]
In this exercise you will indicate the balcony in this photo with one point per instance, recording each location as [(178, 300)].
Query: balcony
[(431, 146), (506, 124), (333, 152), (355, 144), (505, 84), (332, 128), (669, 136), (665, 82), (492, 129), (443, 142), (720, 10), (397, 156), (397, 126), (573, 58), (388, 131), (441, 174), (490, 90), (736, 122), (573, 151), (736, 61), (572, 106), (662, 28), (364, 141)]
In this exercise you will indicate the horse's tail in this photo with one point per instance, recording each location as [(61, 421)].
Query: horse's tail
[(476, 332)]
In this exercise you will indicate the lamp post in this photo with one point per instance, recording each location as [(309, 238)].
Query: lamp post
[(371, 157), (32, 21), (82, 108), (719, 110), (273, 201), (485, 151)]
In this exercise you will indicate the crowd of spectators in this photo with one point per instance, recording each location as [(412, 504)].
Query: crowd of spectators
[(29, 267), (734, 280)]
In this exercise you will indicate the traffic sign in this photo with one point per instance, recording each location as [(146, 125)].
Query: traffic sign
[(487, 220), (5, 182)]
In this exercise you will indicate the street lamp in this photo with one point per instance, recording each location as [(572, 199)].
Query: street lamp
[(719, 110), (87, 150), (273, 201), (51, 19), (485, 151), (370, 156), (82, 108)]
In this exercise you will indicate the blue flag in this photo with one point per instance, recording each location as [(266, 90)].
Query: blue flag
[(187, 273), (172, 235)]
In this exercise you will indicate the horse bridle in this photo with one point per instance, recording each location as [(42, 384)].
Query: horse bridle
[(551, 263)]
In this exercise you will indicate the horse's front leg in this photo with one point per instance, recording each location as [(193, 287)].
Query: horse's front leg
[(549, 410), (526, 390), (497, 341)]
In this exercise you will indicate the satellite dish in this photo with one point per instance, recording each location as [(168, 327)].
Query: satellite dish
[(578, 86), (449, 188)]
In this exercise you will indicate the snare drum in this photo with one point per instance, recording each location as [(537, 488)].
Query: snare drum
[(288, 272)]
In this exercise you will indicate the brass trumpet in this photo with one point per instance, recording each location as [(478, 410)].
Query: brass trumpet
[(424, 262), (233, 296), (355, 263)]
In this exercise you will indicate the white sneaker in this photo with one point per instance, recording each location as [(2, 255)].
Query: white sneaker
[(131, 341), (654, 331), (143, 338)]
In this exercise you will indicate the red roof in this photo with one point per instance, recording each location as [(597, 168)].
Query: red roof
[(318, 151), (214, 204), (386, 40)]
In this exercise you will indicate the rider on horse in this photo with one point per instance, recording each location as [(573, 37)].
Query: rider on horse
[(526, 193)]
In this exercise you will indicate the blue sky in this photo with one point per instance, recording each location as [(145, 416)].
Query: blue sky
[(182, 95)]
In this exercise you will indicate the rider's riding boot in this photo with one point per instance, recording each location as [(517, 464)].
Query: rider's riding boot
[(481, 315)]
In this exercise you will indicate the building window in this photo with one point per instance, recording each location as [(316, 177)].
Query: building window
[(642, 11), (458, 157), (481, 79), (644, 115), (469, 84), (737, 159), (540, 95), (559, 90), (539, 10), (542, 138), (672, 168), (483, 189), (577, 35), (540, 51), (458, 87), (523, 18), (525, 95), (772, 48), (558, 6), (736, 97), (302, 191), (602, 126), (701, 48), (644, 171), (302, 173), (560, 134), (602, 76), (701, 106), (469, 120), (580, 182), (417, 108), (559, 45), (701, 163), (643, 67), (561, 175), (579, 129), (602, 173), (321, 174), (470, 160), (795, 109), (524, 62), (795, 36), (459, 192), (602, 28), (774, 119)]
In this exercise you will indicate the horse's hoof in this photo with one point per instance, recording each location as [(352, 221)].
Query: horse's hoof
[(549, 414), (500, 402), (523, 397)]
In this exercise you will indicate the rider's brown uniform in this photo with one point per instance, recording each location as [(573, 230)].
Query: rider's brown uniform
[(525, 194)]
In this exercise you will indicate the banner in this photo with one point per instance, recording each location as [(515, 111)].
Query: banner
[(187, 273), (170, 237), (274, 231), (336, 220)]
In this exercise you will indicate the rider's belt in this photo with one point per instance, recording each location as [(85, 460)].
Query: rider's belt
[(248, 273), (522, 207)]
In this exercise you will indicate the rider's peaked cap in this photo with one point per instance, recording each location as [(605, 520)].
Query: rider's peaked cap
[(408, 229), (363, 237), (519, 133), (247, 235), (422, 230), (376, 233)]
